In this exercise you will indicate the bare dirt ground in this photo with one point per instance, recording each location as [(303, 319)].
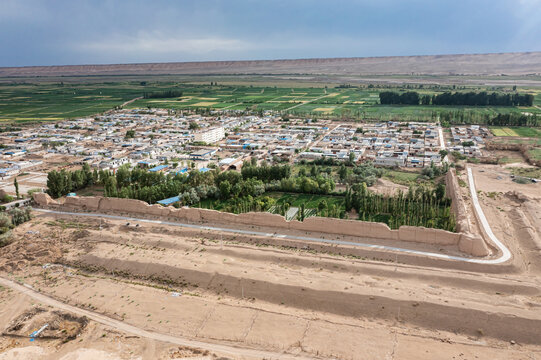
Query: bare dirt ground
[(387, 187), (92, 342), (468, 64), (217, 289)]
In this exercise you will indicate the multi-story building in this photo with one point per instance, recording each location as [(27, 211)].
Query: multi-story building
[(211, 136)]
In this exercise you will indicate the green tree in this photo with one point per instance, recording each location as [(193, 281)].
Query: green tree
[(16, 184), (111, 187), (225, 189), (123, 176), (443, 153)]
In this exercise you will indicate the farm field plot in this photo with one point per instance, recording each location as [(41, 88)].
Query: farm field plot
[(518, 131), (513, 140)]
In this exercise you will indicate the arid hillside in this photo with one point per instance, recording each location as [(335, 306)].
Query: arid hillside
[(469, 64)]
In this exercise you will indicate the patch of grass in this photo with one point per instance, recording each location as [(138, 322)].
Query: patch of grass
[(526, 172), (509, 160), (401, 177), (521, 180), (535, 153)]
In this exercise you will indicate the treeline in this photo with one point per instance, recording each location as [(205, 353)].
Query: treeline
[(482, 99), (162, 94), (457, 98), (420, 206), (264, 172), (395, 98), (514, 120), (460, 117)]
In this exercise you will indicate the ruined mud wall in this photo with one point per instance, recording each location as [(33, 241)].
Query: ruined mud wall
[(359, 229), (457, 203)]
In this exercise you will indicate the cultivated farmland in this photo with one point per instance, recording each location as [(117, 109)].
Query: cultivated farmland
[(517, 131), (42, 101)]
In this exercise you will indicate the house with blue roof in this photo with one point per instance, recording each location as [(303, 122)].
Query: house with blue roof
[(159, 168), (169, 201)]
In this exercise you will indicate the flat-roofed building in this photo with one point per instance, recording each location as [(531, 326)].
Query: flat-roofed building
[(210, 136)]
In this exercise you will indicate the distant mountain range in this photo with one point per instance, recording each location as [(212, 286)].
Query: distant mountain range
[(511, 64)]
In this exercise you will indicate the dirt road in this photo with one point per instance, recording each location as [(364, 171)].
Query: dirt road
[(130, 101)]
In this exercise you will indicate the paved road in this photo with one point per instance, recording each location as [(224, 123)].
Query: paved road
[(442, 143), (130, 329), (506, 254), (499, 260)]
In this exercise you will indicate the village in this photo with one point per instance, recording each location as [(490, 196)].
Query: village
[(180, 143)]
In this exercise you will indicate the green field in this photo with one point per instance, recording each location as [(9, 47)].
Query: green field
[(42, 101), (401, 177), (50, 102), (516, 131)]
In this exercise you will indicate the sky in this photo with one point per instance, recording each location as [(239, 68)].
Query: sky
[(59, 32)]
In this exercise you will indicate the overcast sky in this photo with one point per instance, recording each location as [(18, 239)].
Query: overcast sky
[(57, 32)]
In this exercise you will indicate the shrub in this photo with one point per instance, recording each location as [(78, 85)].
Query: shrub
[(6, 238), (32, 191), (521, 180), (7, 198), (19, 216), (5, 223)]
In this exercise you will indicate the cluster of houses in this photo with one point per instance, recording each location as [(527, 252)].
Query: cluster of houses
[(138, 137), (169, 142), (468, 140), (391, 144)]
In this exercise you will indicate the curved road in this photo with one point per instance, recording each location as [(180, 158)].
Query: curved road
[(505, 253), (122, 326)]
